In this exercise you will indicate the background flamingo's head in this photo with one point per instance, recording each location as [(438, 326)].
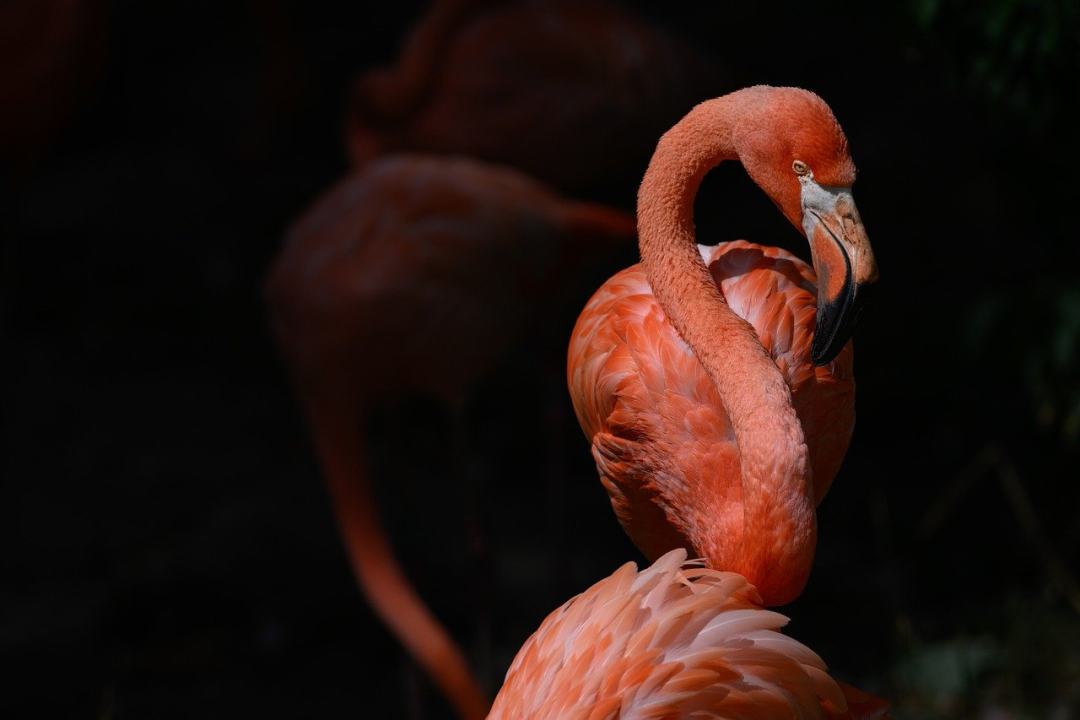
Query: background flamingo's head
[(792, 146)]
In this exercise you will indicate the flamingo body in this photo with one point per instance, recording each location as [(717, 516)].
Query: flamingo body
[(675, 640), (414, 274), (661, 438), (715, 383)]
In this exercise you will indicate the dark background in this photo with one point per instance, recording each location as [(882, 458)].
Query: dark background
[(168, 547)]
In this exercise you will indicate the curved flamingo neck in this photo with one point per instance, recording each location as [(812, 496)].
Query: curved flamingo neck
[(778, 524)]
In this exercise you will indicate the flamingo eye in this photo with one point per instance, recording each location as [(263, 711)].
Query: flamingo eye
[(800, 167)]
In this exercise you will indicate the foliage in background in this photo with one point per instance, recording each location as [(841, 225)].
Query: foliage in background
[(1016, 54)]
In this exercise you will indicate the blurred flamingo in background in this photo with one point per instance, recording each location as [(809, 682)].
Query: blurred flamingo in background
[(718, 414), (675, 640), (415, 275), (572, 92)]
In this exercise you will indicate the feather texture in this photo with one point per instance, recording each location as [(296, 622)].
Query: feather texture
[(661, 438), (675, 640)]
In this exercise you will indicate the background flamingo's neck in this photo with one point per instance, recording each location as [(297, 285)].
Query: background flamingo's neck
[(778, 525)]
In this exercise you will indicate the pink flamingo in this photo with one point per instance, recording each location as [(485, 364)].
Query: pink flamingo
[(414, 275), (718, 413), (675, 640)]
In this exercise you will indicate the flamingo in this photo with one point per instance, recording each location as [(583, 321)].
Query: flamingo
[(414, 275), (536, 84), (717, 411), (675, 640)]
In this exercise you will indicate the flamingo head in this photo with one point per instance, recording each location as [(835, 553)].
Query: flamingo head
[(792, 146)]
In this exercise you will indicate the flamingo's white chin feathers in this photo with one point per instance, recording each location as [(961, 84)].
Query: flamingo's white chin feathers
[(675, 640)]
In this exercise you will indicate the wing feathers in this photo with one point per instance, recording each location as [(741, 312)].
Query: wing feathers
[(661, 435), (672, 641)]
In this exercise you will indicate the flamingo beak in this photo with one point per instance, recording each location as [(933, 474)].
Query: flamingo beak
[(844, 262)]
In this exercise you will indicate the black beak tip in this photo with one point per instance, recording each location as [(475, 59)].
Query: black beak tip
[(822, 353), (836, 324)]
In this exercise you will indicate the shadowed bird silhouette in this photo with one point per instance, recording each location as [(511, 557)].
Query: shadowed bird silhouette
[(415, 275), (675, 640), (718, 413), (573, 92)]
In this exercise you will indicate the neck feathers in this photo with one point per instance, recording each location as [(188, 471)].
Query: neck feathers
[(779, 530)]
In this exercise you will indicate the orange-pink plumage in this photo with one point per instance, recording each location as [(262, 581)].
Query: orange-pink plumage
[(653, 413), (715, 383), (675, 640)]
